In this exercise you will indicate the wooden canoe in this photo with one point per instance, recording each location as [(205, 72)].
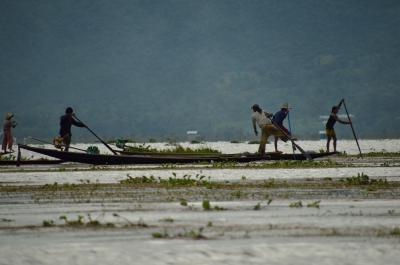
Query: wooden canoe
[(103, 159)]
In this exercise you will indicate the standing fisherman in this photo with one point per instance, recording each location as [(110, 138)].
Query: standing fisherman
[(330, 131), (260, 118), (278, 119), (66, 122), (7, 134)]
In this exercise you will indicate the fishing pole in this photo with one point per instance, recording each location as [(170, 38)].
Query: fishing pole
[(45, 142)]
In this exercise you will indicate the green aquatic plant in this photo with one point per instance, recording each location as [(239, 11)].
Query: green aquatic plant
[(314, 204), (363, 179), (206, 205), (163, 234), (167, 220), (186, 180), (224, 164), (48, 223), (297, 204), (257, 207), (177, 149), (183, 202), (395, 231)]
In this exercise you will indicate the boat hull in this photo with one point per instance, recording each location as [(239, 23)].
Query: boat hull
[(161, 159)]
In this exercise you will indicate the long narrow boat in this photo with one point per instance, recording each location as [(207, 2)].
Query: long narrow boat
[(30, 162), (161, 159)]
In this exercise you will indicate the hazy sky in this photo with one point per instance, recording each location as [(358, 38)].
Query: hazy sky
[(159, 68)]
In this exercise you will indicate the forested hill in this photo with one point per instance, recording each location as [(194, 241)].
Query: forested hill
[(159, 68)]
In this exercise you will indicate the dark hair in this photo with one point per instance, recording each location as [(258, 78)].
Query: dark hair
[(334, 108), (257, 108), (69, 110)]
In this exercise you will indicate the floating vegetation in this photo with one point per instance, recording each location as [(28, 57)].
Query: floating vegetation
[(224, 164), (395, 231), (186, 180), (48, 223), (372, 154), (177, 149), (6, 220), (363, 179), (207, 206), (167, 220), (297, 204), (297, 164), (314, 204), (186, 234), (183, 202), (163, 234)]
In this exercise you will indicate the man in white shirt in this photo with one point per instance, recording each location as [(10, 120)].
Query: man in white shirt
[(260, 118)]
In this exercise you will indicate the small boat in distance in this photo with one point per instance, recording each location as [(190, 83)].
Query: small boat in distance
[(131, 159)]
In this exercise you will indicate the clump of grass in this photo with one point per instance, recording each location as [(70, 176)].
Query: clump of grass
[(373, 154), (238, 194), (163, 234), (363, 179), (224, 164), (395, 231), (167, 220), (297, 164), (314, 204), (178, 149), (257, 207), (206, 205), (297, 204), (6, 220), (183, 202), (270, 183), (48, 223), (79, 222), (191, 234), (186, 180)]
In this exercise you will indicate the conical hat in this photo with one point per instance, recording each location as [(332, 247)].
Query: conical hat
[(9, 115), (285, 105)]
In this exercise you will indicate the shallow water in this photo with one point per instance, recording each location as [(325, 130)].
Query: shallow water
[(346, 229), (114, 176), (276, 234)]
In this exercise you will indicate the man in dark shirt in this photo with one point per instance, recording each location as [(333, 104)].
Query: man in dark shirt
[(66, 122), (330, 131), (278, 119)]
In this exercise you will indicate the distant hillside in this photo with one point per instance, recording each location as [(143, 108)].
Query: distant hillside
[(159, 68)]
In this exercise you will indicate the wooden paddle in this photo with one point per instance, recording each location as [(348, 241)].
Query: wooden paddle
[(109, 147), (351, 124), (306, 154)]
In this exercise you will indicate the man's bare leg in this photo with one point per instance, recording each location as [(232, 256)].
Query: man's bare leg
[(334, 144), (327, 144), (276, 143)]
